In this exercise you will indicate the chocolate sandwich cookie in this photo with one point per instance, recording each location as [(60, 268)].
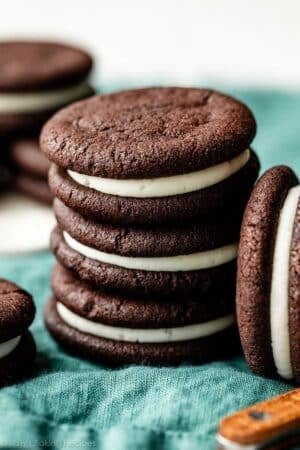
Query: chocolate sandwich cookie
[(17, 347), (268, 281), (30, 168), (182, 274), (170, 240), (117, 329), (36, 79), (227, 197), (152, 155), (161, 260)]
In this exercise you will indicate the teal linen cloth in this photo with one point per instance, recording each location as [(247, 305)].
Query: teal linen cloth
[(75, 404)]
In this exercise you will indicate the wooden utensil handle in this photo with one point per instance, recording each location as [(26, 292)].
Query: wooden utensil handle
[(263, 421)]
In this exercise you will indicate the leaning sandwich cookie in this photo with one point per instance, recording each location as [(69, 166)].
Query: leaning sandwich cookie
[(268, 278), (38, 78), (17, 347)]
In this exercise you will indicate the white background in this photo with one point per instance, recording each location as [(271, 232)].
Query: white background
[(179, 41)]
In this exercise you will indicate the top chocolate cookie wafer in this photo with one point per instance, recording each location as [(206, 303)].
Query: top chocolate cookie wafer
[(31, 66), (148, 133)]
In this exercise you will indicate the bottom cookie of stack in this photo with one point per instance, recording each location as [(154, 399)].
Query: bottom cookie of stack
[(114, 329)]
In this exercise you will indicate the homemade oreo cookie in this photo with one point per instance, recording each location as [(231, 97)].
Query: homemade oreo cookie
[(149, 156), (30, 168), (118, 209), (36, 79), (268, 281), (138, 260), (150, 187), (17, 347), (117, 329)]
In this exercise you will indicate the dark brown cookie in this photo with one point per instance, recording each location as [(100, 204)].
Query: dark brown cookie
[(255, 256), (154, 241), (226, 197), (147, 133), (139, 281), (138, 312), (31, 66), (34, 187), (105, 351), (16, 311), (294, 296), (26, 156)]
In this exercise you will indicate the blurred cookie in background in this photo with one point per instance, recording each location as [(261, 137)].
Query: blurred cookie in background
[(25, 222), (38, 78), (26, 218), (30, 169)]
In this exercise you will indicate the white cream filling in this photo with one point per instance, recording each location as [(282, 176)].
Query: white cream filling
[(8, 347), (194, 261), (163, 186), (139, 335), (279, 315), (30, 102)]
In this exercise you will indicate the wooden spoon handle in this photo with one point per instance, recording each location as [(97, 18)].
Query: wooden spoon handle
[(264, 422)]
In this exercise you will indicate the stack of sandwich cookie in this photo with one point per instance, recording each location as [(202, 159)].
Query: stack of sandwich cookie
[(17, 347), (268, 287), (150, 185), (36, 79), (30, 168)]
